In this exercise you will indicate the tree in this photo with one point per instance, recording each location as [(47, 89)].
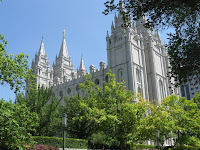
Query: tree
[(157, 126), (181, 15), (16, 125), (108, 115), (176, 118), (14, 70), (44, 103), (81, 109)]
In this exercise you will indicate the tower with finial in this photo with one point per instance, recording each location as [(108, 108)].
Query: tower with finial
[(41, 67), (63, 66), (82, 71)]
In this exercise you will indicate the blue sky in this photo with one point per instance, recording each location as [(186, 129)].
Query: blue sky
[(24, 22)]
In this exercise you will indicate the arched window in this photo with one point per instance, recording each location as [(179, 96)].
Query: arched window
[(97, 82), (140, 91), (61, 93), (161, 89), (120, 75), (138, 75), (68, 90), (106, 78), (77, 88)]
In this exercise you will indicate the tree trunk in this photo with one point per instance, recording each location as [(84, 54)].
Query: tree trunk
[(122, 145)]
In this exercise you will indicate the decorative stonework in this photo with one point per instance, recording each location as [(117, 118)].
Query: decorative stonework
[(134, 54)]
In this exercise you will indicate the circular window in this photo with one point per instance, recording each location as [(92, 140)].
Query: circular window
[(77, 88), (97, 82), (68, 90), (61, 93)]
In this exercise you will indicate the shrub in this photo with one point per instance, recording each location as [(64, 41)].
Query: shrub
[(16, 125), (42, 147), (58, 142), (143, 146)]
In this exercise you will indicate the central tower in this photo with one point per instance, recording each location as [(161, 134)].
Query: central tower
[(63, 67), (125, 54)]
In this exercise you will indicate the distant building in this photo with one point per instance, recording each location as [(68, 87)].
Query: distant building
[(134, 54), (189, 89)]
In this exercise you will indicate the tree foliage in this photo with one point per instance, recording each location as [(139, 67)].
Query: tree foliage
[(16, 125), (109, 116), (106, 115), (43, 102), (177, 119), (14, 70), (181, 15)]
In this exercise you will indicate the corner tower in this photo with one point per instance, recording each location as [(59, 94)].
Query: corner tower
[(125, 54), (41, 68)]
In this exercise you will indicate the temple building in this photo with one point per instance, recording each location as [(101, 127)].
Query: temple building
[(135, 54)]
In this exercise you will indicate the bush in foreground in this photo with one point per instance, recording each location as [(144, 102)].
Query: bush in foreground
[(58, 142), (42, 147)]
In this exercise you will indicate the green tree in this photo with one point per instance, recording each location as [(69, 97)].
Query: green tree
[(14, 70), (44, 103), (108, 114), (158, 125), (181, 15), (175, 118), (81, 109), (16, 124)]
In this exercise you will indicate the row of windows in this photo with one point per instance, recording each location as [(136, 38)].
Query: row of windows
[(138, 75), (97, 82), (195, 88)]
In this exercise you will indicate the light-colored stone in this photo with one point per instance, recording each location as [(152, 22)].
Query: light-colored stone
[(134, 54)]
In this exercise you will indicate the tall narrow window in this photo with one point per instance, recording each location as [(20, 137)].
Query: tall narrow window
[(106, 78), (140, 91), (120, 75), (138, 75), (161, 90)]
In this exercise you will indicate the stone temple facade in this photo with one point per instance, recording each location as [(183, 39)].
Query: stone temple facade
[(134, 54)]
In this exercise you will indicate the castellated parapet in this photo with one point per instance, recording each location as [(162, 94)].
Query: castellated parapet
[(135, 55)]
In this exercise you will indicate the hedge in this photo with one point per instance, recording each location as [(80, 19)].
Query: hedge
[(144, 146), (58, 142)]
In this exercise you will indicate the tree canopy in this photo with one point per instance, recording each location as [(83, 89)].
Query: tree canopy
[(44, 103), (14, 70), (16, 125), (105, 115), (181, 15), (113, 117)]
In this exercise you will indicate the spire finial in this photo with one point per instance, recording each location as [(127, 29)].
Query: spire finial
[(63, 34), (42, 37)]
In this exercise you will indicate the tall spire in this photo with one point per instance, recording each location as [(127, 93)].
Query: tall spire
[(121, 7), (82, 66), (141, 21), (63, 49), (41, 50)]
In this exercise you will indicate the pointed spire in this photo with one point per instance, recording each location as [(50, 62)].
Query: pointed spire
[(107, 34), (32, 64), (141, 21), (63, 49), (157, 34), (121, 7), (82, 66), (134, 26), (41, 50), (115, 16), (112, 27)]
